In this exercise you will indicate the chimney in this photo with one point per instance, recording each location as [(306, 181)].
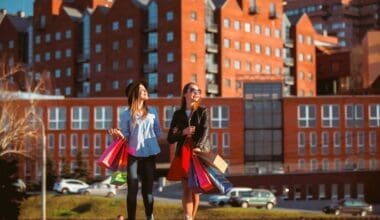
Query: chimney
[(3, 11), (21, 14)]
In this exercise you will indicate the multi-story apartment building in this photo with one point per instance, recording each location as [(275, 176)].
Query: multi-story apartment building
[(94, 48), (299, 142), (350, 71), (349, 20)]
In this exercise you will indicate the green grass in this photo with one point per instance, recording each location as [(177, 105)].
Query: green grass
[(91, 207)]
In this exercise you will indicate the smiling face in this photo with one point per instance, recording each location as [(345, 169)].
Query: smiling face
[(143, 92), (193, 94)]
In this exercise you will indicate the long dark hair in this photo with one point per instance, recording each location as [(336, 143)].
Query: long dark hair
[(183, 100)]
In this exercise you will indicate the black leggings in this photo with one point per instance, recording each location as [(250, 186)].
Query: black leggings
[(144, 168)]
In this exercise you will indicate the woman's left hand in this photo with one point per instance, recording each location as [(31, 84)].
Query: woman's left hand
[(197, 150)]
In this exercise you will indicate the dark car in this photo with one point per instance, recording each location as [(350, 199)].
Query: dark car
[(350, 206)]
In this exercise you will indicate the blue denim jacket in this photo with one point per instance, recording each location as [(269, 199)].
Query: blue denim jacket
[(142, 137)]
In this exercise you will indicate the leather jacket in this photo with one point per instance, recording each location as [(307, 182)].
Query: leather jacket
[(200, 119)]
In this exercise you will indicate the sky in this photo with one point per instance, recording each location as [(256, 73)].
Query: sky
[(13, 6)]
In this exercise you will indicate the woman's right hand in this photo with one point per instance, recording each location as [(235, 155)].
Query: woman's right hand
[(116, 133), (189, 131)]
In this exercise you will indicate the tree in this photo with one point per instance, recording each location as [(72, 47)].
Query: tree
[(65, 172), (51, 174), (81, 171)]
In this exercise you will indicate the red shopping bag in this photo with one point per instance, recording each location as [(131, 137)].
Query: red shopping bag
[(204, 180), (110, 158), (179, 167)]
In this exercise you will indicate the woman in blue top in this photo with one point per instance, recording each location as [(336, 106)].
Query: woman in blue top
[(140, 127)]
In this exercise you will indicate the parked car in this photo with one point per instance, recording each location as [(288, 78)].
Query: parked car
[(99, 189), (257, 198), (351, 206), (222, 199), (65, 186)]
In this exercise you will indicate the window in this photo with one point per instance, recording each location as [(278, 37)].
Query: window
[(79, 117), (57, 118), (129, 23), (85, 144), (115, 45), (306, 116), (226, 43), (214, 142), (62, 144), (68, 34), (258, 48), (103, 117), (129, 43), (226, 23), (169, 57), (330, 116), (372, 142), (98, 28), (325, 164), (98, 48), (374, 115), (169, 16), (257, 29), (50, 144), (301, 143), (168, 114), (57, 73), (115, 25), (348, 140), (361, 140), (247, 47), (74, 144), (237, 25), (220, 117), (313, 143), (300, 38), (337, 143), (322, 191), (313, 165), (193, 15), (301, 164), (47, 56), (170, 78), (247, 27), (226, 144), (169, 36), (354, 115), (47, 38), (193, 37), (325, 143), (97, 144), (68, 52), (237, 45), (57, 55), (267, 32)]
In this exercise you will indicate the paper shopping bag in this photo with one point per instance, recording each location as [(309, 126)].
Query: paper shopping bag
[(201, 173), (213, 160), (111, 155)]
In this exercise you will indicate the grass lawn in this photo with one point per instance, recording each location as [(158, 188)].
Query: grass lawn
[(92, 207)]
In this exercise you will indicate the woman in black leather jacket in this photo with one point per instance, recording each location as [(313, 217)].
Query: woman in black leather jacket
[(189, 125)]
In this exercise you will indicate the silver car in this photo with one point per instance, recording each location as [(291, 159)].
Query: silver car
[(99, 189)]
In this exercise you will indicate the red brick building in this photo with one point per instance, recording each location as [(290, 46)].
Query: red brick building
[(221, 45), (299, 142), (349, 20)]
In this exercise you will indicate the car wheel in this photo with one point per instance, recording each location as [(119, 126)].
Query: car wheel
[(244, 205), (221, 204), (110, 194), (363, 213), (337, 212), (86, 193), (269, 206), (65, 191)]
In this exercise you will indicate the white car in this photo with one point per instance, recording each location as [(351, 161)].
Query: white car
[(222, 199), (65, 186), (99, 189)]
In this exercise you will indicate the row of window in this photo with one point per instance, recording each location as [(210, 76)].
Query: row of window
[(248, 28), (330, 115), (103, 119), (57, 37), (57, 55), (248, 46), (337, 165)]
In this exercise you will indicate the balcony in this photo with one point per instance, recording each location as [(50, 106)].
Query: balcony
[(211, 27), (150, 68), (289, 80), (83, 76), (212, 68), (82, 58), (212, 88), (151, 47), (211, 48), (253, 10), (151, 27), (289, 61), (289, 43)]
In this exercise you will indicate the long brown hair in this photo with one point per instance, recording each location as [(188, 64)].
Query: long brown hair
[(134, 100), (183, 100)]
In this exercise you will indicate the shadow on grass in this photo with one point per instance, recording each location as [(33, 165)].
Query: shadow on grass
[(82, 208)]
